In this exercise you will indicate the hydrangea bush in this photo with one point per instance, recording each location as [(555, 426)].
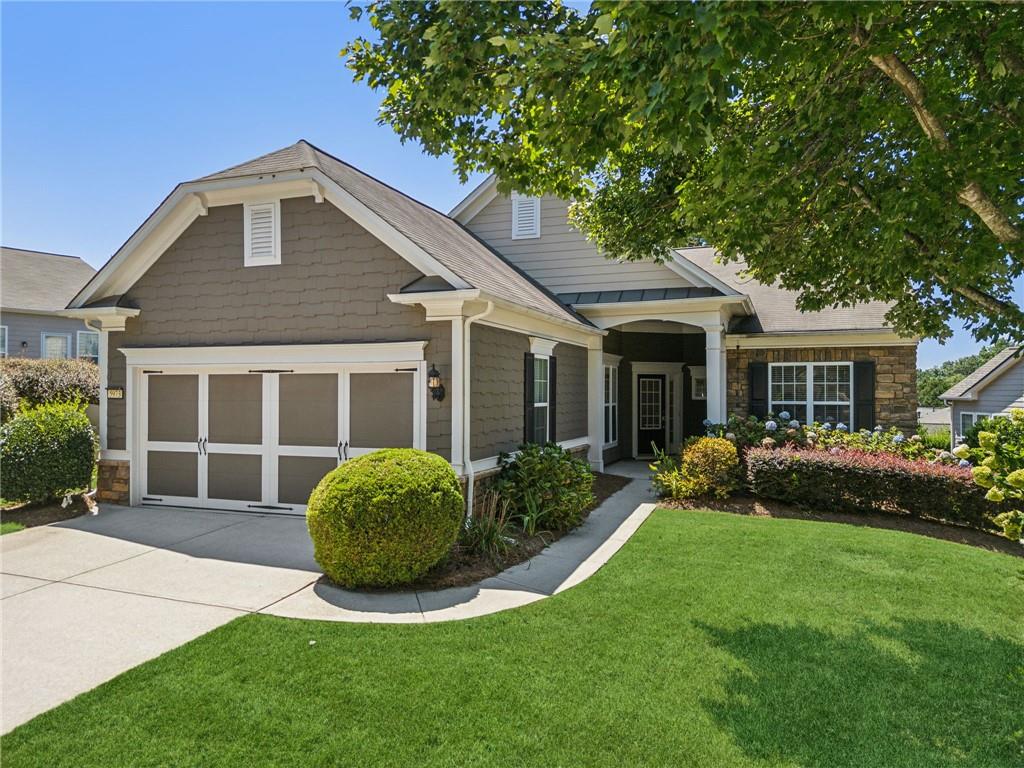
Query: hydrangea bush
[(999, 460)]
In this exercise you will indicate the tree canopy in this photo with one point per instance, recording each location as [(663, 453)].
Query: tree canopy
[(932, 382), (850, 151)]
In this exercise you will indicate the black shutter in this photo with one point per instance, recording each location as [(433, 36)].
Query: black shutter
[(757, 374), (528, 398), (863, 395), (552, 379)]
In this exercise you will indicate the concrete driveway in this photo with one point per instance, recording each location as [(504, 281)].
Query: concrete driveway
[(87, 599)]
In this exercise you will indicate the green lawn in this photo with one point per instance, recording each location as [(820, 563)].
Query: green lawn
[(709, 640), (10, 527)]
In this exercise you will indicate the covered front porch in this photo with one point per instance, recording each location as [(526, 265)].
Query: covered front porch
[(660, 373)]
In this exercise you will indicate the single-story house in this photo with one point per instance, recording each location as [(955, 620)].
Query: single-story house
[(35, 287), (934, 419), (993, 389), (271, 320)]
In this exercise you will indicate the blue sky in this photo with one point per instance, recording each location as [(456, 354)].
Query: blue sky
[(106, 106)]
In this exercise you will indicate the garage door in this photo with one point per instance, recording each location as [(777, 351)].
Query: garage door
[(260, 440)]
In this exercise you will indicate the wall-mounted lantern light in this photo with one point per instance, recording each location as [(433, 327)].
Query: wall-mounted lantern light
[(434, 384)]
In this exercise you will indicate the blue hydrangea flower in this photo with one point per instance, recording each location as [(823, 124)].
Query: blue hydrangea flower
[(878, 427), (842, 427), (898, 438), (794, 424), (826, 427), (784, 415), (707, 422), (770, 426), (964, 463)]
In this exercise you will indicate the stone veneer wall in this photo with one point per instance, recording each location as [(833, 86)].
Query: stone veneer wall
[(112, 480), (895, 376)]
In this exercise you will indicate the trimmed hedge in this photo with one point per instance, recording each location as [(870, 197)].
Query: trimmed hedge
[(52, 381), (8, 400), (46, 452), (851, 481), (385, 518), (548, 482)]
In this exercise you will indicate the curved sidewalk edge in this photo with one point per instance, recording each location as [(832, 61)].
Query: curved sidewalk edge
[(569, 561)]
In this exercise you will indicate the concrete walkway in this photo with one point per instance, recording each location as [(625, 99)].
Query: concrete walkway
[(89, 598)]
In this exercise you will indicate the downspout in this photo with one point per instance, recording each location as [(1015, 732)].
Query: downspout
[(466, 422)]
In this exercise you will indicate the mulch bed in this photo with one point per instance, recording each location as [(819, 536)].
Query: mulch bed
[(463, 568), (749, 505), (35, 513)]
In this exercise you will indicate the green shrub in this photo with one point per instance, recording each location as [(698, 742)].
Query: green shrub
[(52, 381), (8, 399), (488, 532), (1012, 524), (559, 485), (709, 466), (999, 457), (935, 439), (46, 451), (385, 518), (853, 481)]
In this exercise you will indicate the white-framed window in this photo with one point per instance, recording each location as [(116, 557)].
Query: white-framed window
[(525, 217), (262, 233), (698, 382), (55, 346), (968, 419), (3, 341), (89, 346), (812, 392), (541, 393), (611, 405)]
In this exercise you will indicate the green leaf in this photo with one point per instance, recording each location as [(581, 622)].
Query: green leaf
[(603, 24)]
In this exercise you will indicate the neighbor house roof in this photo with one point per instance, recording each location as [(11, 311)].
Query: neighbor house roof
[(40, 282), (442, 237), (983, 375), (776, 308)]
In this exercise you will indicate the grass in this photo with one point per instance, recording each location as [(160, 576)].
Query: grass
[(709, 640), (10, 527)]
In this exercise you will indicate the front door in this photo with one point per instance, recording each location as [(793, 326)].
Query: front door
[(650, 417)]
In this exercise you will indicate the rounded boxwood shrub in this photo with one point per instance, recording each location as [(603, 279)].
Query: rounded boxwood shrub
[(385, 518), (46, 452)]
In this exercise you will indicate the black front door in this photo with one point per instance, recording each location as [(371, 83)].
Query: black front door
[(650, 415)]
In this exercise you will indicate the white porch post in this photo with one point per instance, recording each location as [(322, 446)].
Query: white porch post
[(457, 400), (715, 362), (104, 363), (595, 407)]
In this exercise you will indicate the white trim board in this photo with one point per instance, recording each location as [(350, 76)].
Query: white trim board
[(272, 354), (673, 373), (482, 465)]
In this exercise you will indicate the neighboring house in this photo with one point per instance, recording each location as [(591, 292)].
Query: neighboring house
[(992, 390), (271, 320), (934, 419), (34, 288)]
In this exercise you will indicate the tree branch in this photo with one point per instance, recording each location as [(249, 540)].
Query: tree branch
[(972, 195)]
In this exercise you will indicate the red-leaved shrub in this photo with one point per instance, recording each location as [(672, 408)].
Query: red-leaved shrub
[(851, 481)]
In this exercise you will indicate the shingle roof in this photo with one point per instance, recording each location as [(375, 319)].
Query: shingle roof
[(644, 294), (984, 372), (775, 308), (39, 281), (440, 236)]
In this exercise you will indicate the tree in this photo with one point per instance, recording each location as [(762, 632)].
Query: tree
[(848, 151), (932, 382)]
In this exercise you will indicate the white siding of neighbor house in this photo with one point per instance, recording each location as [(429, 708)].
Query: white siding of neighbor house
[(562, 259), (1001, 395)]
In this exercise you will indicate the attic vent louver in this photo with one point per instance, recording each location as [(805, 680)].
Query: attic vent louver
[(262, 234), (525, 217)]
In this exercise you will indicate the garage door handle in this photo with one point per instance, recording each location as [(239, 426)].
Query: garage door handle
[(205, 441), (199, 446), (339, 450), (346, 450)]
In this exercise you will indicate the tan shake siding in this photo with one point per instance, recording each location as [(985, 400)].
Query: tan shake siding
[(562, 259), (331, 287), (570, 392), (895, 377), (496, 390)]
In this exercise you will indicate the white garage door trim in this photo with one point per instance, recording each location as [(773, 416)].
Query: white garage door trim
[(341, 359)]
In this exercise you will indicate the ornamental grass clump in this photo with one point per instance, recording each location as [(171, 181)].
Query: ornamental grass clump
[(385, 518)]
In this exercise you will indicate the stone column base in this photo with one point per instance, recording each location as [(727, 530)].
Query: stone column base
[(112, 481)]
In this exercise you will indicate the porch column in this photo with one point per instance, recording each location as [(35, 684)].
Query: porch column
[(456, 396), (595, 407), (715, 363), (104, 364)]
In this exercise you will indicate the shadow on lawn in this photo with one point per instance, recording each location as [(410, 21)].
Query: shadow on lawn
[(920, 693)]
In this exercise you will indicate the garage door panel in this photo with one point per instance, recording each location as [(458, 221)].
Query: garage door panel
[(234, 476), (172, 473), (308, 409), (381, 410), (297, 476), (236, 408), (173, 408)]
